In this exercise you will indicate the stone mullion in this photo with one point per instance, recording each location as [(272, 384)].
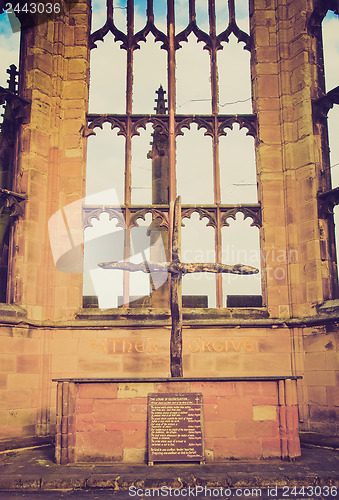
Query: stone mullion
[(218, 259), (129, 76), (213, 58), (215, 139), (129, 100), (217, 200), (128, 190), (127, 251), (128, 145), (171, 113)]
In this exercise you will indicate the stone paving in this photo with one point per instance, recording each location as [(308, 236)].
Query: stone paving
[(35, 469)]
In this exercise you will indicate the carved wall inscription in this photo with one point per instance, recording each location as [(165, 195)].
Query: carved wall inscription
[(175, 428), (192, 345)]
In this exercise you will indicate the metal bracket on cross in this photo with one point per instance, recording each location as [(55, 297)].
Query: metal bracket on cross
[(176, 269)]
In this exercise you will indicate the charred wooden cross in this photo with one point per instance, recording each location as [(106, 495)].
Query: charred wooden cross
[(176, 269)]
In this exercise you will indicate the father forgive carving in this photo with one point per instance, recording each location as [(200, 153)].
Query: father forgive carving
[(176, 269)]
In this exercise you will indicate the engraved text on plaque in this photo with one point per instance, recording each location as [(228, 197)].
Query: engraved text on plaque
[(175, 427)]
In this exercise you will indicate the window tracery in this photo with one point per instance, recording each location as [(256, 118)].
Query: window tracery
[(211, 35), (327, 99), (15, 111)]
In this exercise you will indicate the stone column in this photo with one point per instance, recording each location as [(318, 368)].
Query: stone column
[(296, 271), (54, 75)]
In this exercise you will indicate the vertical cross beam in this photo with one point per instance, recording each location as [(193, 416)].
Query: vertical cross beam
[(176, 296)]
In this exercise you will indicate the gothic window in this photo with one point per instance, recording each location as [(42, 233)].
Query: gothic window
[(11, 107), (330, 35), (324, 26), (330, 32), (195, 141)]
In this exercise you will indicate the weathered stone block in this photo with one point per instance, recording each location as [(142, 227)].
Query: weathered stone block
[(256, 430), (135, 438), (271, 448), (262, 36), (3, 381), (7, 363), (112, 409), (84, 406), (264, 413), (134, 455), (234, 409), (236, 448), (28, 363), (102, 445), (332, 394), (268, 86), (22, 380), (320, 378), (221, 389), (75, 90), (265, 400), (224, 429)]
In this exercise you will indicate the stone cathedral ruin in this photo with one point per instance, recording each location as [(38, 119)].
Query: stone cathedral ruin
[(260, 366)]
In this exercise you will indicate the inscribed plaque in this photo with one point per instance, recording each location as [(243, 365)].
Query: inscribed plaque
[(175, 428)]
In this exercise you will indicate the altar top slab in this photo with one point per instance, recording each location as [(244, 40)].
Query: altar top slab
[(142, 380)]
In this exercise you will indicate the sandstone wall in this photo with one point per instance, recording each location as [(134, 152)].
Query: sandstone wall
[(31, 357)]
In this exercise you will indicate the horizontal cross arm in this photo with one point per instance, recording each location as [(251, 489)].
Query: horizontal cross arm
[(179, 268), (212, 268), (145, 267)]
